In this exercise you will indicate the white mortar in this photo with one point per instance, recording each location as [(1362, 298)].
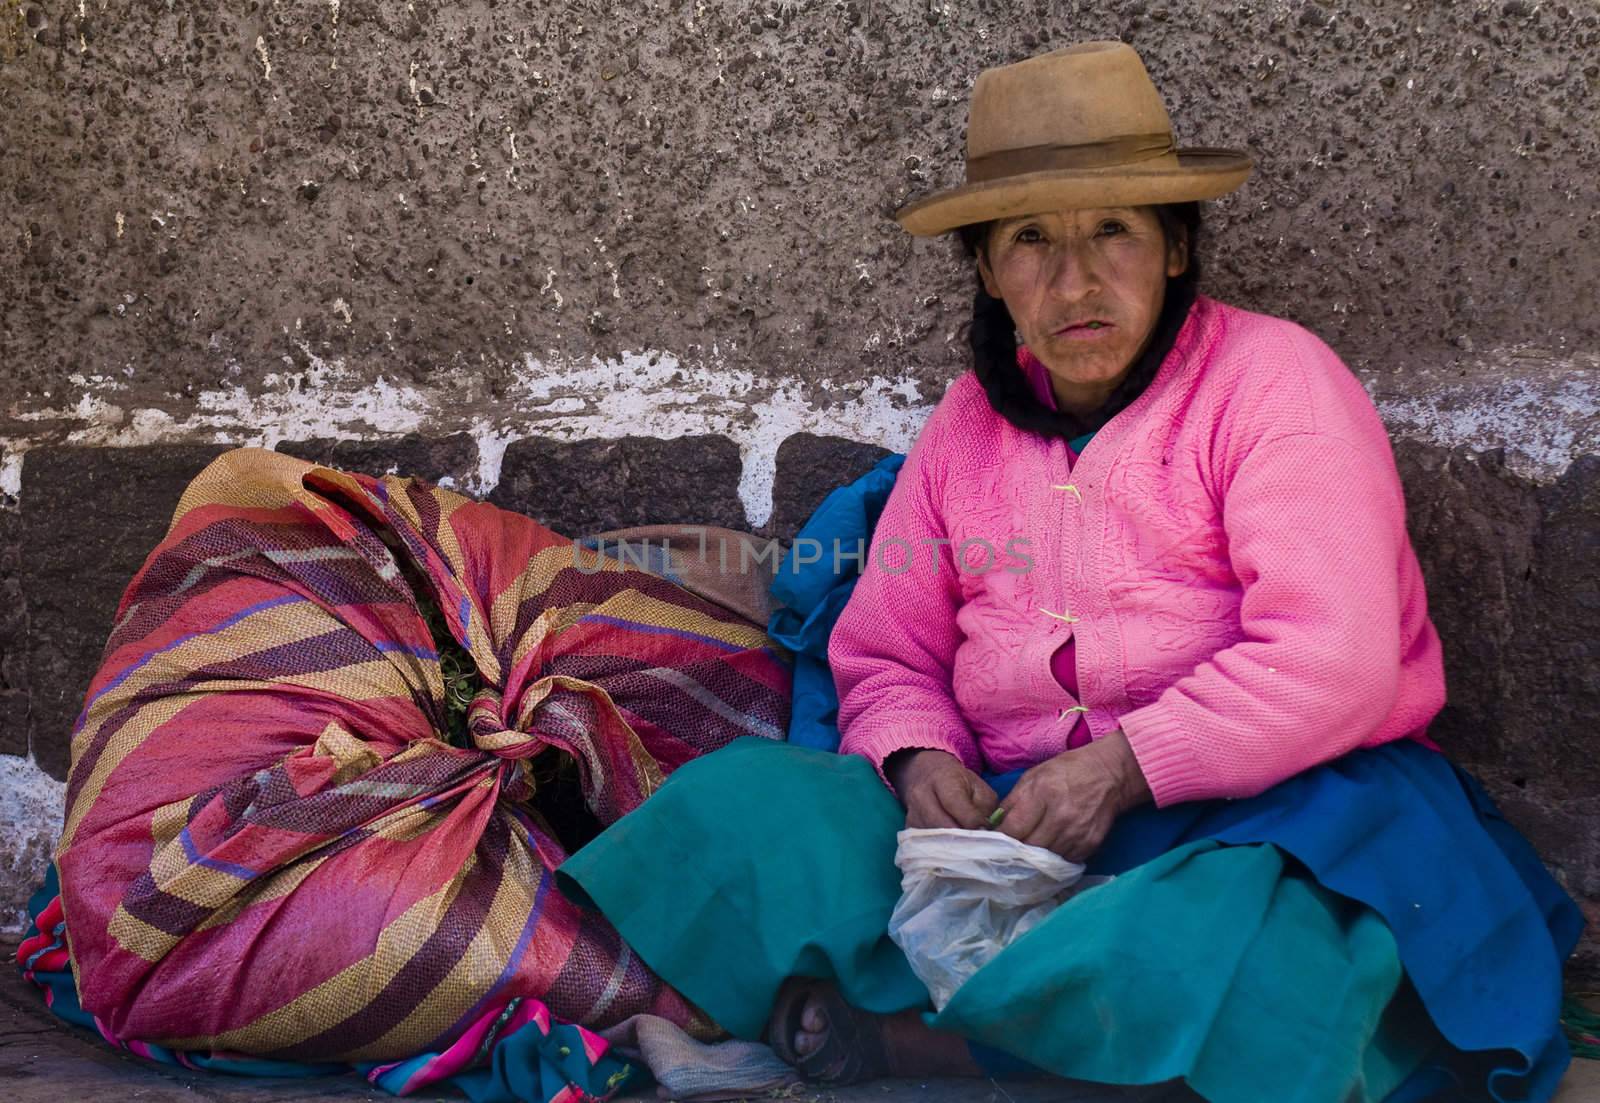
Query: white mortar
[(648, 393), (1543, 418), (1542, 425), (10, 471)]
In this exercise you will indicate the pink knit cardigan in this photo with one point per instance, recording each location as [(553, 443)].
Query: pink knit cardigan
[(1229, 555)]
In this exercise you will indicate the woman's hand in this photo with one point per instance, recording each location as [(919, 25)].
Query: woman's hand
[(938, 791), (1068, 803)]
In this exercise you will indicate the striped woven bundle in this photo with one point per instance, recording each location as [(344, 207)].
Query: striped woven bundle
[(270, 847)]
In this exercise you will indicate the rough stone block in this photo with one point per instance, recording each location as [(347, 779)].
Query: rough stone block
[(1558, 657), (588, 486), (1474, 525), (89, 517), (809, 466), (431, 458), (13, 643), (13, 722), (1514, 589)]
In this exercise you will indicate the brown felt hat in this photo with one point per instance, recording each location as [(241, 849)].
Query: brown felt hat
[(1081, 126)]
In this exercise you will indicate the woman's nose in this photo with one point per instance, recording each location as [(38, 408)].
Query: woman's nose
[(1073, 273)]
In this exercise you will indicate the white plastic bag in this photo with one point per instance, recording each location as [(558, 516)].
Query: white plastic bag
[(967, 895)]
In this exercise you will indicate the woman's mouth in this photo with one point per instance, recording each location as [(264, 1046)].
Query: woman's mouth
[(1084, 331)]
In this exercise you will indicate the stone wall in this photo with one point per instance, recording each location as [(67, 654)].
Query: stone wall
[(612, 263)]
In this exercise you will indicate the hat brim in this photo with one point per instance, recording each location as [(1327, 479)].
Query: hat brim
[(1200, 174)]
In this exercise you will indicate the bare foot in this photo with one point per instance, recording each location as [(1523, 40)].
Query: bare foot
[(869, 1045)]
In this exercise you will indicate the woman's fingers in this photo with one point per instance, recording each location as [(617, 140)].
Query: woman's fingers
[(1025, 812), (950, 797), (939, 791), (982, 800), (1043, 817), (957, 798), (1066, 804), (924, 810)]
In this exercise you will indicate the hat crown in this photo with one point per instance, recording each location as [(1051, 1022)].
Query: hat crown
[(1075, 128), (1082, 95)]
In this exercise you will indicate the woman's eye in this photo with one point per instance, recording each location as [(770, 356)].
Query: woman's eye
[(1028, 235), (1112, 228)]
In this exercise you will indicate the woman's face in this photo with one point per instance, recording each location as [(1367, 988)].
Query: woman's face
[(1084, 287)]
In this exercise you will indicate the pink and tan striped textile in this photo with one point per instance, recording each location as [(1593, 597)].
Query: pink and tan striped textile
[(270, 847)]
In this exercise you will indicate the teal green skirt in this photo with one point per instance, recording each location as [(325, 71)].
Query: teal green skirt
[(1227, 966)]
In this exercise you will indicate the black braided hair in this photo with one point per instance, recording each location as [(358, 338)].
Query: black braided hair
[(993, 337)]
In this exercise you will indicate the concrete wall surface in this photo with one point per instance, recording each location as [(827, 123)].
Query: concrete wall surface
[(612, 263)]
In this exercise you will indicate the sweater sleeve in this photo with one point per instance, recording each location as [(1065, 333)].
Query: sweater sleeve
[(893, 648), (1316, 533)]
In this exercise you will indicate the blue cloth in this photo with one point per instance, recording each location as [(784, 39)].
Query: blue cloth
[(810, 595)]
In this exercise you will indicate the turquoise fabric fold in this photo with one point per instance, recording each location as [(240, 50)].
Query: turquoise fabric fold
[(772, 865)]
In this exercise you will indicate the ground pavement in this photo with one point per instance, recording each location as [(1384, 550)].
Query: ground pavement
[(43, 1061)]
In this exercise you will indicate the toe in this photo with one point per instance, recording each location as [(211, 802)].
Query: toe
[(814, 1016), (813, 1030), (807, 1042)]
